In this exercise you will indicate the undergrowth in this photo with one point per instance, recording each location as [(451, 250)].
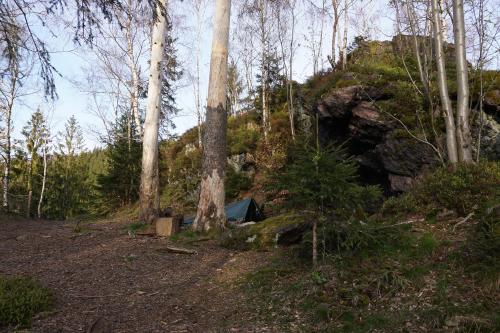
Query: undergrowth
[(398, 270), (20, 299)]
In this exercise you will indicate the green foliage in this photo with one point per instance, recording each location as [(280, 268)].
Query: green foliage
[(71, 179), (322, 179), (261, 235), (20, 299), (236, 182), (402, 205), (243, 134), (461, 190), (119, 185), (181, 168), (483, 244)]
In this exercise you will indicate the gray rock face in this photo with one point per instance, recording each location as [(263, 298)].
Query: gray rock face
[(242, 163), (348, 115)]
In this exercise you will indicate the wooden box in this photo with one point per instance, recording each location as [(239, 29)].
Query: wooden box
[(168, 226)]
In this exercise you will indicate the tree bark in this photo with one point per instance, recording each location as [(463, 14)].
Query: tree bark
[(264, 71), (335, 23), (134, 91), (346, 24), (462, 117), (315, 244), (8, 148), (210, 212), (149, 189), (44, 180), (451, 141)]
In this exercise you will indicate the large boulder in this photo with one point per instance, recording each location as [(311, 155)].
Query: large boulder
[(348, 115), (388, 155)]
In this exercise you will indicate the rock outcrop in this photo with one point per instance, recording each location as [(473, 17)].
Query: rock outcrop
[(394, 161)]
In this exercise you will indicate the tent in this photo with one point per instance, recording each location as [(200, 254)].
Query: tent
[(237, 212)]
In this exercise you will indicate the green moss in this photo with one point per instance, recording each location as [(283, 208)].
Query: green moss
[(20, 299), (261, 235)]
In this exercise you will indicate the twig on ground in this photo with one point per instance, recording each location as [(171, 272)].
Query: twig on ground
[(173, 249), (463, 221)]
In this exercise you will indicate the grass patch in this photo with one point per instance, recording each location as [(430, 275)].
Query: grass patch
[(20, 299), (134, 227)]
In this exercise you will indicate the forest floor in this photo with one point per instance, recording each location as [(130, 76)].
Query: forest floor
[(106, 280)]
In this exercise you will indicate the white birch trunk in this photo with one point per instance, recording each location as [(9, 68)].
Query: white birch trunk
[(149, 189), (462, 117), (134, 89), (44, 180), (346, 27), (451, 141)]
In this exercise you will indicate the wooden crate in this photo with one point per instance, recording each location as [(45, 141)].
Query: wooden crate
[(168, 226)]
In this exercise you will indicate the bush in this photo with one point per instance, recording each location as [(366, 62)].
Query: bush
[(261, 235), (20, 299), (322, 180), (236, 182), (353, 236), (404, 204), (484, 242), (462, 190)]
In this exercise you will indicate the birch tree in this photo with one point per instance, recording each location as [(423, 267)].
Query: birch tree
[(149, 188), (210, 212), (464, 145), (451, 140), (286, 18), (198, 8)]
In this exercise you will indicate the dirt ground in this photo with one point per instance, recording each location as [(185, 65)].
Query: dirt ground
[(105, 280)]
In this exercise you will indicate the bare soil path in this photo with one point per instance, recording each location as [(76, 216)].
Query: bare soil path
[(105, 280)]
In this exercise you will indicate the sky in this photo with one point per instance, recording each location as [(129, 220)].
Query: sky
[(72, 62)]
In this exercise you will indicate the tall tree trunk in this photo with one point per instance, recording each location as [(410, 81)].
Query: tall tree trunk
[(44, 179), (346, 27), (315, 244), (264, 69), (14, 67), (134, 89), (149, 188), (198, 99), (335, 24), (8, 148), (462, 117), (410, 12), (30, 186), (451, 141), (210, 212)]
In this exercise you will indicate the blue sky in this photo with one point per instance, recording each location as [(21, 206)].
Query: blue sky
[(70, 60)]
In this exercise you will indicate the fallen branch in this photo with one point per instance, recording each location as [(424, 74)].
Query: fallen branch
[(97, 296), (400, 223), (173, 249), (463, 221)]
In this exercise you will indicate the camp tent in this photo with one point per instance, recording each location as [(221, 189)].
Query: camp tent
[(237, 212)]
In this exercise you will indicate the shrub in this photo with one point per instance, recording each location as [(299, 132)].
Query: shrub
[(354, 235), (462, 190), (404, 204), (20, 299), (322, 179), (484, 243), (261, 235), (236, 182)]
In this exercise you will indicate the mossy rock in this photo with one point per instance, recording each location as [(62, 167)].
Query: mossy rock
[(262, 235)]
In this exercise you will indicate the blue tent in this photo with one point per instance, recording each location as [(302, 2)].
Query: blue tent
[(237, 212)]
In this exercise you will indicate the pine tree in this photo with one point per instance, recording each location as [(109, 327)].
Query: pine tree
[(119, 185), (35, 133)]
